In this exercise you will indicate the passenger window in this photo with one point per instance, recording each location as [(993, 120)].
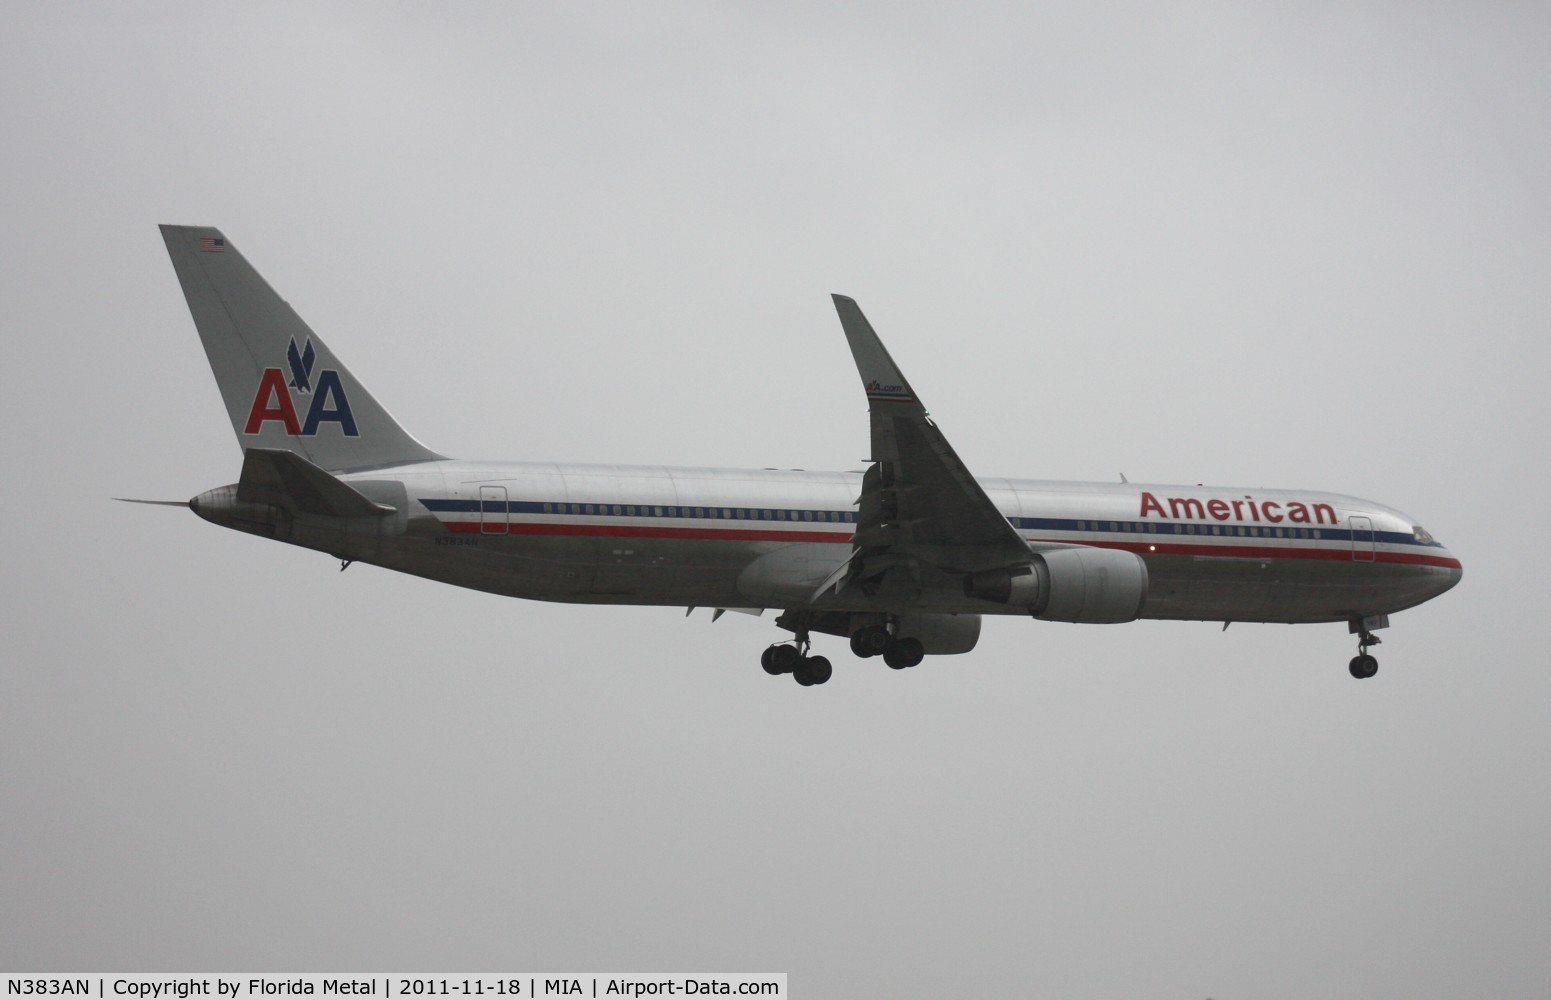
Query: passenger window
[(1113, 526), (617, 511), (546, 508), (590, 508), (700, 512)]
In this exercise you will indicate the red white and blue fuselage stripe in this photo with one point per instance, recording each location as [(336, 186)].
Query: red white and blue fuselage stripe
[(714, 522)]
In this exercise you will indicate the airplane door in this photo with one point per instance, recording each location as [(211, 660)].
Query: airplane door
[(1362, 538), (493, 511)]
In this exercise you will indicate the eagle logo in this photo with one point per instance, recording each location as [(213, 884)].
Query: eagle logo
[(301, 365), (273, 402)]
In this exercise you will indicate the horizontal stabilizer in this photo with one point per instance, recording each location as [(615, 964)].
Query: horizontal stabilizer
[(286, 479), (155, 503)]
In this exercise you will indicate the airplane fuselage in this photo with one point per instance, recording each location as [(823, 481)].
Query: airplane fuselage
[(679, 536)]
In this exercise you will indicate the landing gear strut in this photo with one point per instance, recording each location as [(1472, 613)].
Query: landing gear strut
[(1364, 666), (792, 658)]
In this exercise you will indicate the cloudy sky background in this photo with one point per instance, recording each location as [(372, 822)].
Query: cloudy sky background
[(1224, 243)]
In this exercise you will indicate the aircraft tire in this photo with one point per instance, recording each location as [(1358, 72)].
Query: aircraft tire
[(902, 654), (1364, 666), (767, 660), (870, 641), (812, 670), (784, 659)]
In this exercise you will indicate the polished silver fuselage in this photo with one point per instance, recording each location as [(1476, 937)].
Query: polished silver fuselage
[(694, 537)]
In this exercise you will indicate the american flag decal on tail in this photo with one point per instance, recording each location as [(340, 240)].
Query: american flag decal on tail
[(212, 244)]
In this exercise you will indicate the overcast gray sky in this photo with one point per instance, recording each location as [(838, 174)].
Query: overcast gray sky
[(1300, 245)]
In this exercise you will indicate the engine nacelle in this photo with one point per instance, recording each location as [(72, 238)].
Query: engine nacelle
[(1093, 586), (1096, 586), (941, 634)]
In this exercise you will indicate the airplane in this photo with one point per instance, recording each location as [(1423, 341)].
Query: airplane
[(902, 559)]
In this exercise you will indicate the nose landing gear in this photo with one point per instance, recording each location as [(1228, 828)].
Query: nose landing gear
[(1364, 666)]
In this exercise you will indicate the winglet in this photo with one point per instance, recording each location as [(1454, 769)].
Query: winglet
[(881, 377)]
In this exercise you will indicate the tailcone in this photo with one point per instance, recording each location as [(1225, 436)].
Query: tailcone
[(221, 506)]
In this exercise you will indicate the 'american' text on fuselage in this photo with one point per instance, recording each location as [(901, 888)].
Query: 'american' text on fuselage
[(1189, 508)]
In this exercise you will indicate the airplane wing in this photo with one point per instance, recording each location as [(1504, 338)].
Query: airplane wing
[(920, 506)]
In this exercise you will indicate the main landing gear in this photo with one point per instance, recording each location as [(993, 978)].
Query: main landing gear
[(1364, 666), (875, 640), (881, 638), (792, 658)]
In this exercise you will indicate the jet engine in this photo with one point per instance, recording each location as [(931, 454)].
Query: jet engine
[(940, 634), (1088, 585)]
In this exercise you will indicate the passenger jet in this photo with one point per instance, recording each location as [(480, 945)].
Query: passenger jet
[(903, 559)]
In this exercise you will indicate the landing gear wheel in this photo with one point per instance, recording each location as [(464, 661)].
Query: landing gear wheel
[(870, 641), (780, 659), (813, 670), (1363, 666), (903, 653)]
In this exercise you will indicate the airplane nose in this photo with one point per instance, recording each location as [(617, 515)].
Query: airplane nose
[(1449, 573)]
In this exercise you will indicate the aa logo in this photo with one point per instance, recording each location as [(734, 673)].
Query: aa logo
[(274, 400)]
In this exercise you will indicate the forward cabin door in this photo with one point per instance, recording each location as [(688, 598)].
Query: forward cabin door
[(493, 511), (1362, 538)]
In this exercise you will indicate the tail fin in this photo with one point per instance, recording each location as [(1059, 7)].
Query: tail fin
[(283, 387)]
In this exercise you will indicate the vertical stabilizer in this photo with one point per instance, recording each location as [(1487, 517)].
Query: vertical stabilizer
[(283, 388)]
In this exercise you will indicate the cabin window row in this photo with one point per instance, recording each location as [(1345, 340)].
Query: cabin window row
[(1250, 531), (717, 513)]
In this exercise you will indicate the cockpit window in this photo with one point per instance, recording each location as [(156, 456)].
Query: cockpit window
[(1421, 534)]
